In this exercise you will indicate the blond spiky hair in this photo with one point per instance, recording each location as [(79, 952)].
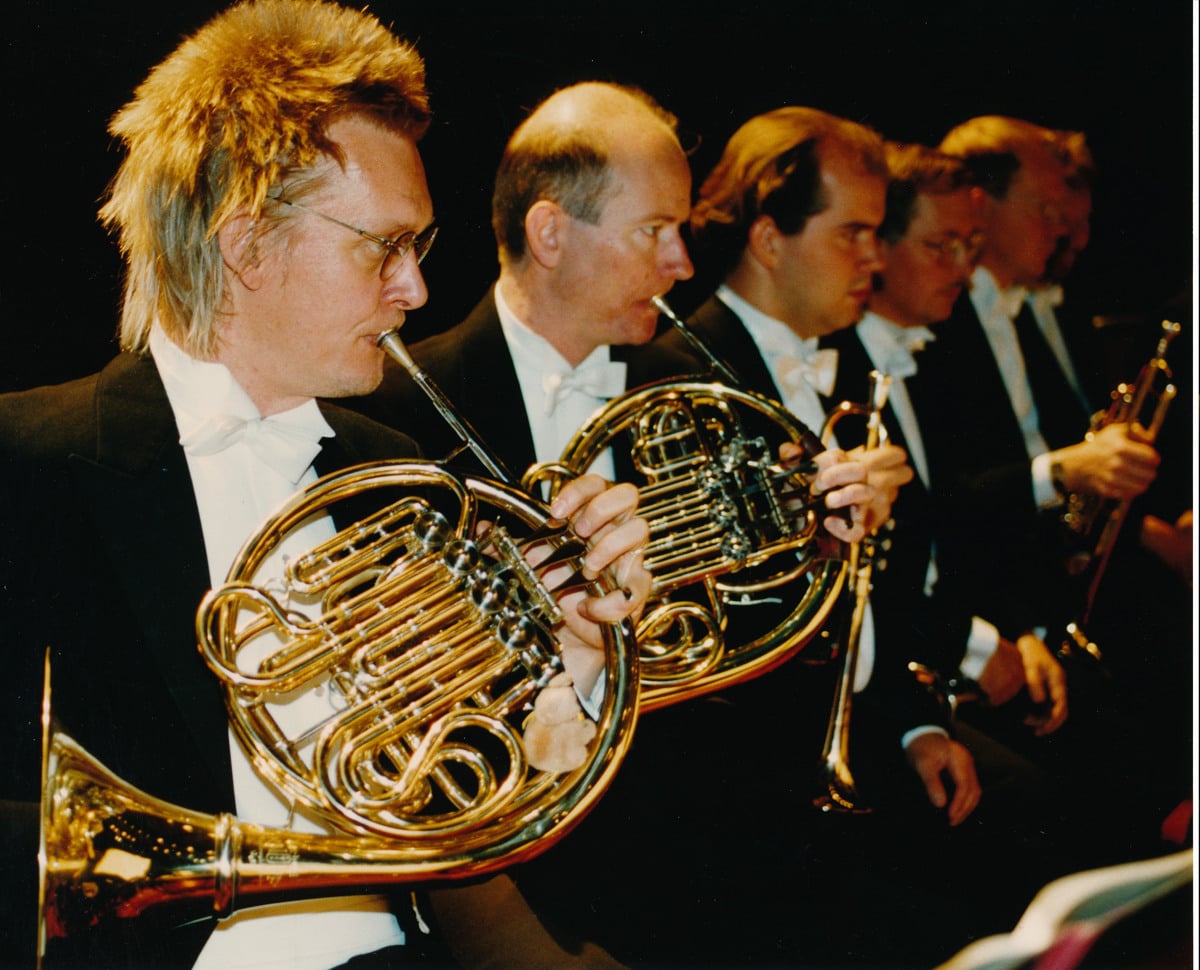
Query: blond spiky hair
[(236, 109)]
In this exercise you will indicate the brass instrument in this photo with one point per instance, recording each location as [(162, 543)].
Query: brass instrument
[(837, 791), (728, 522), (1097, 521), (431, 626), (950, 692)]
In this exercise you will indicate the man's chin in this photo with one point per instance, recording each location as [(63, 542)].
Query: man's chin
[(641, 331), (358, 384)]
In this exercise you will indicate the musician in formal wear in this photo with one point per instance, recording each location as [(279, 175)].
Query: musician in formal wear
[(590, 196), (272, 210), (930, 238), (1074, 331), (1011, 450), (787, 220), (1014, 443)]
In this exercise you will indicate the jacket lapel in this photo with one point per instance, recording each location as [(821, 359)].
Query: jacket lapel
[(490, 394), (852, 384), (145, 511), (727, 336)]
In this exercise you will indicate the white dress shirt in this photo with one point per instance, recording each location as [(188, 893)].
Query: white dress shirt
[(996, 311), (235, 491), (893, 350), (559, 398), (558, 401), (777, 341)]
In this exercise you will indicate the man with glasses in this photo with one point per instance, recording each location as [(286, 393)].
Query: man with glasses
[(272, 210), (1004, 425), (1007, 440), (786, 222), (930, 240)]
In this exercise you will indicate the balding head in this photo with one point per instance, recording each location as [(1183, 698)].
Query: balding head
[(565, 150)]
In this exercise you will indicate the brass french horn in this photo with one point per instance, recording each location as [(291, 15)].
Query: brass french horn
[(728, 523), (427, 628)]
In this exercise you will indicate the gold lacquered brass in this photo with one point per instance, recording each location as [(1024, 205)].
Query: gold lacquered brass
[(434, 622), (729, 524)]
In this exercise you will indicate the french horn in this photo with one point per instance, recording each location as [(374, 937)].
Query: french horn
[(729, 524), (448, 741)]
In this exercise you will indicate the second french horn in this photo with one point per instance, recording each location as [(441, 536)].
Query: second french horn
[(729, 524)]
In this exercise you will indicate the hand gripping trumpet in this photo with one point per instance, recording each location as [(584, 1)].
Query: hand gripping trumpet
[(1093, 522), (837, 791), (402, 686), (728, 523)]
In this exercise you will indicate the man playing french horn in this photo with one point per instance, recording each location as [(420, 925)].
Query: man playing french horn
[(272, 210), (581, 258), (590, 197)]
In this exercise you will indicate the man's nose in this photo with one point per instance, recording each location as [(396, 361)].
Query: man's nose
[(406, 287), (676, 261)]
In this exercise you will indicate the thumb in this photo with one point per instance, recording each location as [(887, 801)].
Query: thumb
[(931, 777)]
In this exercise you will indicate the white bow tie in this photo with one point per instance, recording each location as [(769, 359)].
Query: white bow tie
[(602, 380), (1047, 296), (1010, 301), (287, 442), (818, 370), (900, 362)]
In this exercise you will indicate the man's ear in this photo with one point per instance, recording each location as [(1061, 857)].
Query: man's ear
[(762, 241), (545, 225), (238, 240)]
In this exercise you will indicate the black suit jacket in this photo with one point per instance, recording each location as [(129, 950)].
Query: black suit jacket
[(471, 364), (102, 560), (930, 629), (897, 703), (980, 473)]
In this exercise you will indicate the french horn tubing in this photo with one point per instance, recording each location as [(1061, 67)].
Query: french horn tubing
[(728, 523), (837, 791), (452, 742)]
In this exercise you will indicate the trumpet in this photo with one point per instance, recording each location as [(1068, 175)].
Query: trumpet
[(728, 524), (432, 626), (1094, 522), (837, 790)]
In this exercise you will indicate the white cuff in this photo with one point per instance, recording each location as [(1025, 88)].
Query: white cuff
[(982, 642)]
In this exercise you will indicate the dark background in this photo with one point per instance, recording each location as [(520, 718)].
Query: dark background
[(1120, 71)]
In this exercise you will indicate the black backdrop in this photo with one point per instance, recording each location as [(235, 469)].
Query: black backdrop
[(1120, 70)]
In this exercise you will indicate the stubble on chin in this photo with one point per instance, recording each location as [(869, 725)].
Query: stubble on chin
[(353, 384)]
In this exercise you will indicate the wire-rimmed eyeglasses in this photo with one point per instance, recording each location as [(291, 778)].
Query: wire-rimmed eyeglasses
[(955, 250), (394, 250)]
